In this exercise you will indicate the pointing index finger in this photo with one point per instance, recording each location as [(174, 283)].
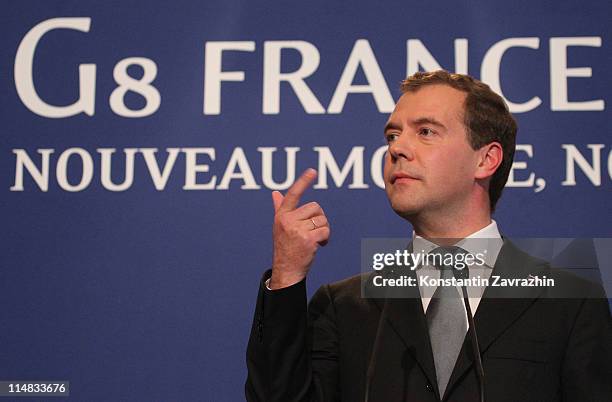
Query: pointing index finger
[(292, 198)]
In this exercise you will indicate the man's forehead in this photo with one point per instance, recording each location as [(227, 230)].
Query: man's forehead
[(440, 101)]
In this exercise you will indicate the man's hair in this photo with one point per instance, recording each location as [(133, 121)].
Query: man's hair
[(486, 118)]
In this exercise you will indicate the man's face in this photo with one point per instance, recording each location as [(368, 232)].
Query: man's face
[(430, 166)]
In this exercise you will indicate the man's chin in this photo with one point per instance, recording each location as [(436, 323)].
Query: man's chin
[(405, 211)]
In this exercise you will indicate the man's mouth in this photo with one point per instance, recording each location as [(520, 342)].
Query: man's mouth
[(401, 177)]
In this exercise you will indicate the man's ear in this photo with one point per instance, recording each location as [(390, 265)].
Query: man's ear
[(490, 156)]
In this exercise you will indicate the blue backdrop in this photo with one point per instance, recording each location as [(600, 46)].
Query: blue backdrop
[(138, 283)]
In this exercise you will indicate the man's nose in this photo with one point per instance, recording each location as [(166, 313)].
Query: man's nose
[(401, 148)]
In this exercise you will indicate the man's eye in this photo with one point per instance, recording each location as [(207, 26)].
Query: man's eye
[(427, 132), (391, 137)]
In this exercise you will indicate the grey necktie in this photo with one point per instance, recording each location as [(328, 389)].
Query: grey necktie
[(447, 328)]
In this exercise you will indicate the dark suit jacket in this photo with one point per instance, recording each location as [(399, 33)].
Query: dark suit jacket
[(535, 346)]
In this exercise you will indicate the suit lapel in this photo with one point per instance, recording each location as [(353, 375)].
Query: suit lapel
[(405, 316), (500, 306)]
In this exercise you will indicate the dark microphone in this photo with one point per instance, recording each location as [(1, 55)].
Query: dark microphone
[(464, 274)]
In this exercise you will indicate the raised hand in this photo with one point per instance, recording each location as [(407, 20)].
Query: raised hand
[(297, 233)]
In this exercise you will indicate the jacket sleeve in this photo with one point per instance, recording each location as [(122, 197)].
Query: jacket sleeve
[(587, 367), (292, 353)]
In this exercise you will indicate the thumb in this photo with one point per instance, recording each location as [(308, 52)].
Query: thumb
[(277, 200)]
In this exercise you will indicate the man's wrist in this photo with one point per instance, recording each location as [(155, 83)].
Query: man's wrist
[(276, 282)]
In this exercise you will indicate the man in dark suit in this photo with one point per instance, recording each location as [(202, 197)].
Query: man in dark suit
[(451, 143)]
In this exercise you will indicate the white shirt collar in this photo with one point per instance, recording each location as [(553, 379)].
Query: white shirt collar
[(488, 238)]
